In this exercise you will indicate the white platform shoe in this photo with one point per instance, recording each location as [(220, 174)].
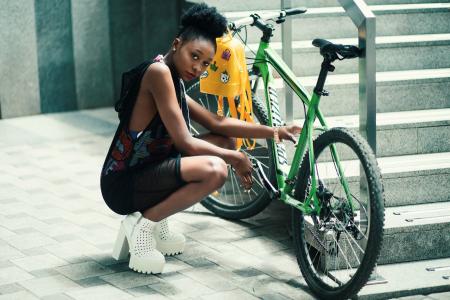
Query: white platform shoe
[(167, 242), (136, 236)]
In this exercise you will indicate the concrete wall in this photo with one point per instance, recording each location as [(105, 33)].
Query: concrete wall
[(55, 55), (92, 53), (61, 55), (19, 79)]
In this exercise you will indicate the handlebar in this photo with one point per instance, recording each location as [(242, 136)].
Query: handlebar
[(277, 16)]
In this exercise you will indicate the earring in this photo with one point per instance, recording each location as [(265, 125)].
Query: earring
[(174, 49)]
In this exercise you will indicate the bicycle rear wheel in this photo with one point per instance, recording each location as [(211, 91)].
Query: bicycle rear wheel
[(337, 250), (231, 201)]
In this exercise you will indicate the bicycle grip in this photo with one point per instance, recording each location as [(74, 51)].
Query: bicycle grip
[(295, 11)]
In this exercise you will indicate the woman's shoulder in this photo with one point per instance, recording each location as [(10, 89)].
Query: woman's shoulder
[(157, 71)]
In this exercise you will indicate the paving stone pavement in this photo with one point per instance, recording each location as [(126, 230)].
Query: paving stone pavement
[(56, 233)]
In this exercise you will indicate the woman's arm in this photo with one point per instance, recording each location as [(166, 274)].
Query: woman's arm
[(236, 128)]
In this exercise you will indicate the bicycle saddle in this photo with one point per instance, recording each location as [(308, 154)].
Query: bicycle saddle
[(332, 51)]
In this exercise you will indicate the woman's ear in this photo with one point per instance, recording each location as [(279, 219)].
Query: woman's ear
[(176, 44)]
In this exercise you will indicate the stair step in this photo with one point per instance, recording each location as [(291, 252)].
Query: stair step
[(398, 19), (416, 232), (412, 278), (396, 91), (380, 9), (411, 233), (397, 166), (427, 51), (402, 133), (393, 120), (239, 5), (382, 41), (406, 178)]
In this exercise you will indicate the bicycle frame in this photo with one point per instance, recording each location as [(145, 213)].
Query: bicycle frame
[(266, 58)]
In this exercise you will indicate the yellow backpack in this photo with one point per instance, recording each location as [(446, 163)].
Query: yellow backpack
[(227, 76)]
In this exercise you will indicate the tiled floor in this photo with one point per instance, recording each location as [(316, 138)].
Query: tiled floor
[(56, 233)]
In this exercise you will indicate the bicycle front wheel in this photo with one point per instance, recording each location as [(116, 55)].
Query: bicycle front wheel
[(231, 201), (337, 249)]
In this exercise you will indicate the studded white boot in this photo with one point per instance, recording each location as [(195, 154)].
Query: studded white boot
[(144, 257), (169, 243), (121, 247)]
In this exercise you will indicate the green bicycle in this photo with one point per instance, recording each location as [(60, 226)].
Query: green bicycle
[(333, 183)]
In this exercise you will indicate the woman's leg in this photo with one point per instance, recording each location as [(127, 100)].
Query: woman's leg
[(204, 174)]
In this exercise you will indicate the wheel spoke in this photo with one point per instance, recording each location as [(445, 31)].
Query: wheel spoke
[(237, 186), (232, 186), (240, 203), (336, 243)]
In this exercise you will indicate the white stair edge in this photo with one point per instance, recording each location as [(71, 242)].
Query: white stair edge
[(390, 118), (417, 214), (380, 40), (353, 78), (330, 10), (390, 164), (410, 278), (417, 162)]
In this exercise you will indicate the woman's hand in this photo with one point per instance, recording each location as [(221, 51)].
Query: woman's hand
[(243, 167), (288, 132)]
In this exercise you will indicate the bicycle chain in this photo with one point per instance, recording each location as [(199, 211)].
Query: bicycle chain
[(318, 239)]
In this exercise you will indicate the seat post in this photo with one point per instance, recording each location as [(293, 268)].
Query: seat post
[(324, 69)]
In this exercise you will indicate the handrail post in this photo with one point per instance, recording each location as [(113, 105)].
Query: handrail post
[(367, 86), (364, 19), (286, 38)]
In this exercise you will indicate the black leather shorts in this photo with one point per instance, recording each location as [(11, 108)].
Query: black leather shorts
[(155, 182), (141, 188)]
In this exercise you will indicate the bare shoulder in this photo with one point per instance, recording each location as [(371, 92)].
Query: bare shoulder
[(157, 70), (157, 74)]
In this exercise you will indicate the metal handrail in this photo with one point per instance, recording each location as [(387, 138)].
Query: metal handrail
[(286, 39), (364, 20)]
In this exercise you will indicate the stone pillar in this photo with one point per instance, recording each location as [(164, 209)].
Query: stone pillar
[(125, 21), (161, 19), (92, 53), (19, 84), (55, 55), (61, 55)]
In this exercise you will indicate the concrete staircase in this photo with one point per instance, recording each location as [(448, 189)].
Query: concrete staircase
[(413, 120)]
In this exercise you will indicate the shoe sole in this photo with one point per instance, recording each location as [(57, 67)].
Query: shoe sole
[(144, 266), (170, 249)]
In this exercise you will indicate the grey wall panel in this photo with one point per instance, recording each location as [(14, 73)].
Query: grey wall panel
[(125, 21), (92, 52), (19, 84), (55, 55), (160, 25)]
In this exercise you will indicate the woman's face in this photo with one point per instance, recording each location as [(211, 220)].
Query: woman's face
[(191, 58)]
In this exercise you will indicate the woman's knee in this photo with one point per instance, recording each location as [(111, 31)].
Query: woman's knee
[(217, 170), (203, 168)]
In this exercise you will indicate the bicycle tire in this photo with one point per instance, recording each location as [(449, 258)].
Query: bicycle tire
[(309, 258), (261, 198)]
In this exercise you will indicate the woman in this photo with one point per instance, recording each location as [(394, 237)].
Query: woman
[(154, 165)]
